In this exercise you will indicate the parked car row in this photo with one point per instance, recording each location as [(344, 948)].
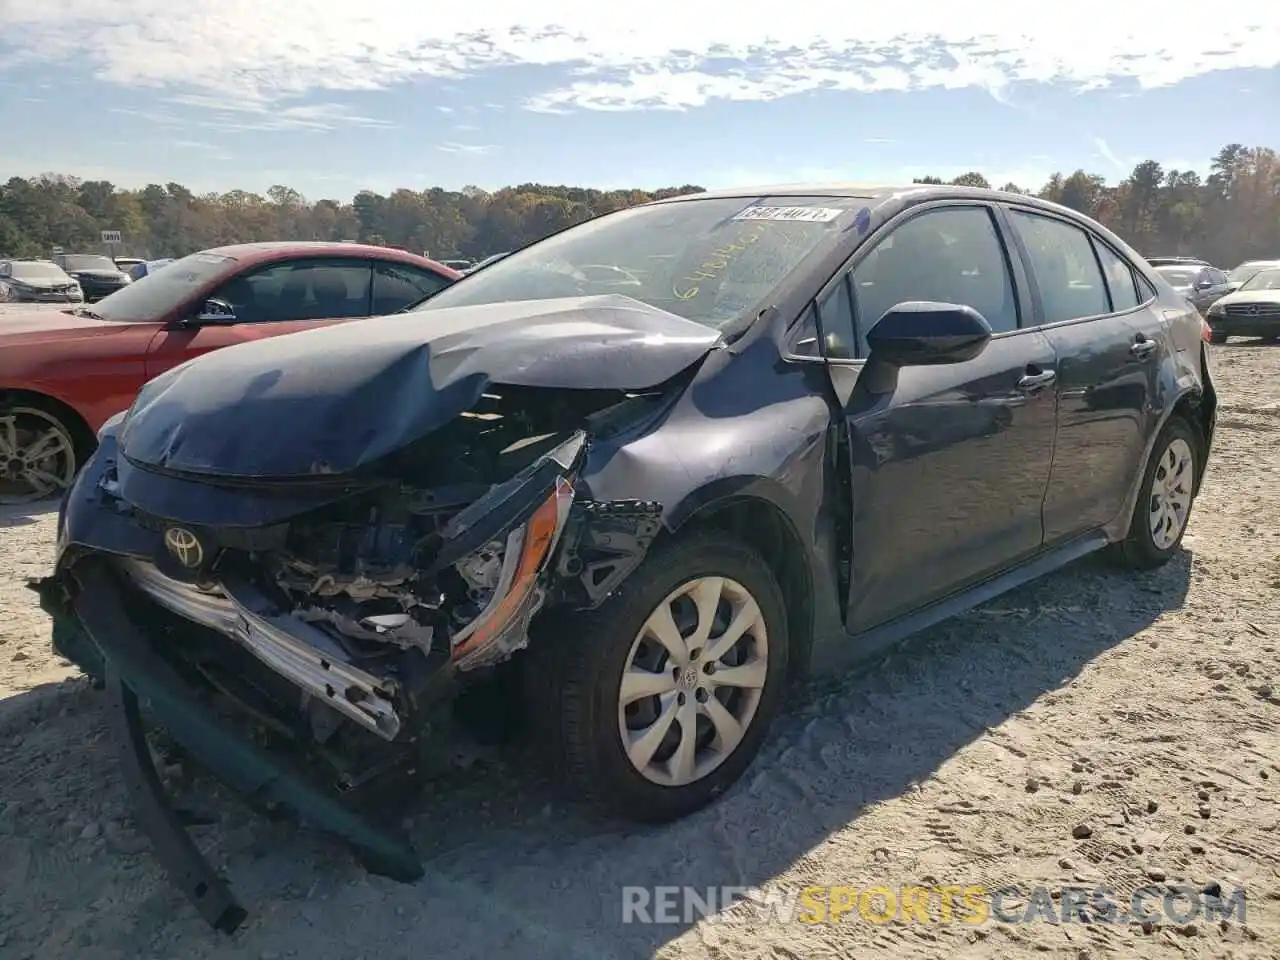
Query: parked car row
[(63, 374), (1238, 302), (654, 466)]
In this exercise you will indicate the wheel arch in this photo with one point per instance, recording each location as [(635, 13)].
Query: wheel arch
[(1195, 404), (80, 431), (746, 511)]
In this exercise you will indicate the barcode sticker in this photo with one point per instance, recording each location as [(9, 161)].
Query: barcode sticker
[(802, 214)]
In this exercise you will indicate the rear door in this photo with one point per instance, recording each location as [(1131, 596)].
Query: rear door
[(267, 301), (949, 471), (1089, 302)]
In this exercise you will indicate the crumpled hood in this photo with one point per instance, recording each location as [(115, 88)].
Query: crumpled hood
[(333, 399)]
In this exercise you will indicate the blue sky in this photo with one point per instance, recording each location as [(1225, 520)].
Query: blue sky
[(331, 98)]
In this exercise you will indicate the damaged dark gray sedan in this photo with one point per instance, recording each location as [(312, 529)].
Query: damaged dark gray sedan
[(654, 466)]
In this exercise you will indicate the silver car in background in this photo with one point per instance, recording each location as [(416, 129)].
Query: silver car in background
[(37, 281), (1202, 285)]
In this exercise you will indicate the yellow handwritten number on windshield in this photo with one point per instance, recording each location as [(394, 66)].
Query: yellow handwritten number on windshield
[(712, 268)]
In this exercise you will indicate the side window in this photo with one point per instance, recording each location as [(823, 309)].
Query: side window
[(951, 255), (1217, 277), (1067, 272), (1120, 281), (299, 290), (398, 285), (805, 340), (835, 323)]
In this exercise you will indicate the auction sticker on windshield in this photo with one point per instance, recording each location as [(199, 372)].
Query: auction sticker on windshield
[(791, 214)]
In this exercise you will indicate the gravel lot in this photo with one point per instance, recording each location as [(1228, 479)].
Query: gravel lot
[(1143, 710)]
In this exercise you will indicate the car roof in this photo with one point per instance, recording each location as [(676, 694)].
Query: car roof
[(250, 253), (877, 194)]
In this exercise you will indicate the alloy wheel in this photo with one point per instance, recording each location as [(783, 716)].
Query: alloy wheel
[(1171, 491), (37, 456), (693, 681)]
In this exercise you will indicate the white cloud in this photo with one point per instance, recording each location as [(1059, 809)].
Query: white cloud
[(1105, 151), (675, 56), (474, 149)]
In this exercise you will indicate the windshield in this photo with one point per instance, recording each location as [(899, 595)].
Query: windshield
[(1247, 269), (149, 299), (26, 270), (711, 261), (1179, 276), (89, 262), (1268, 279)]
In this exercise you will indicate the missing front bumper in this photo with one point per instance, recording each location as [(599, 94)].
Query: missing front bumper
[(93, 628)]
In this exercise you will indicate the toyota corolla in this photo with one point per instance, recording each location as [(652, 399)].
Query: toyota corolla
[(653, 466)]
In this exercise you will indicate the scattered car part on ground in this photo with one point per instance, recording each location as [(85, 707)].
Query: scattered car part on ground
[(37, 281), (1202, 285), (675, 499), (64, 374), (1251, 311)]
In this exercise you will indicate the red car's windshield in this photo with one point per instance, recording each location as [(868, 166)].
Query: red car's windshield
[(151, 298)]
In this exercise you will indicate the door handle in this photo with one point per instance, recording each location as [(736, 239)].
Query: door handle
[(1143, 347), (1031, 382)]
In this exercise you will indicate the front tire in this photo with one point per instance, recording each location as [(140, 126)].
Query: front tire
[(661, 697), (39, 453), (1164, 503)]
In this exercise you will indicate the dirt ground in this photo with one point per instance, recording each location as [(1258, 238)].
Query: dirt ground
[(1142, 710)]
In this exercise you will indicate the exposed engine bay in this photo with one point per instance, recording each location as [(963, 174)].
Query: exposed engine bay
[(433, 569)]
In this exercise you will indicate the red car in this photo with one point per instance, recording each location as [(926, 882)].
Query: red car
[(63, 374)]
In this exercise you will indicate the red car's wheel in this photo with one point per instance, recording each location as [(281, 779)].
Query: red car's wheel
[(38, 454)]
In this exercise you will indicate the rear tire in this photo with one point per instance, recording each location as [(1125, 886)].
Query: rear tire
[(1164, 503), (708, 705)]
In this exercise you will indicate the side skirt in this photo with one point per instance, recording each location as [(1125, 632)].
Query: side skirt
[(845, 651)]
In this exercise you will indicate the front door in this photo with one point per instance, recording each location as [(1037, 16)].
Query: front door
[(949, 469), (279, 298)]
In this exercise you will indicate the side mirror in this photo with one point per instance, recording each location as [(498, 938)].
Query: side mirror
[(216, 311), (924, 333)]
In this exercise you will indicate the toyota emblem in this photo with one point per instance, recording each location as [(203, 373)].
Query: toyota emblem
[(185, 547)]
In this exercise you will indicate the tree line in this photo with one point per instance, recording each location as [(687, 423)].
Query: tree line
[(1232, 214)]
